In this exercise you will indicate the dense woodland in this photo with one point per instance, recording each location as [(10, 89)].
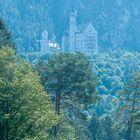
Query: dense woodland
[(69, 96)]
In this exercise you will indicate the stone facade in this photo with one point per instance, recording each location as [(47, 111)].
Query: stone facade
[(44, 42), (82, 38), (48, 46)]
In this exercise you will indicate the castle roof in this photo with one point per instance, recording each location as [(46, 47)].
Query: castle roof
[(86, 27), (82, 27), (90, 28)]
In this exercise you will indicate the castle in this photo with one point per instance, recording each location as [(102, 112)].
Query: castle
[(82, 38), (47, 46)]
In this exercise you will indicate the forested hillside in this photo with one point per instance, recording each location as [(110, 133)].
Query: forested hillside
[(117, 21), (69, 95)]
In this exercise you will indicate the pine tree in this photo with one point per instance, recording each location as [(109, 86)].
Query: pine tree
[(130, 106), (70, 80)]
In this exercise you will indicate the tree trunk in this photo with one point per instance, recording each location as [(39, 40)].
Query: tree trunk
[(57, 109), (57, 103), (131, 118)]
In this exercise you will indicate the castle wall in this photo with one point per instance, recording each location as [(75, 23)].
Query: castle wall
[(80, 42)]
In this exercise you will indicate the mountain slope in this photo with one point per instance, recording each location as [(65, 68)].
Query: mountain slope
[(117, 21)]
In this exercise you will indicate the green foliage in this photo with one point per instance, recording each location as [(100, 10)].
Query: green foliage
[(108, 132), (101, 128), (27, 20), (129, 108), (26, 112), (70, 81), (5, 36), (75, 75), (112, 70)]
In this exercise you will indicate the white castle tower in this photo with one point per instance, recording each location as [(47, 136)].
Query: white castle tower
[(82, 38), (72, 37), (45, 48)]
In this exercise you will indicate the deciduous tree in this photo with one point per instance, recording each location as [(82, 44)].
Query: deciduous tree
[(25, 109)]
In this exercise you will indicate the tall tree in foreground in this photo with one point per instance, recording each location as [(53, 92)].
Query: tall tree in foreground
[(26, 112), (130, 107), (70, 80), (6, 39)]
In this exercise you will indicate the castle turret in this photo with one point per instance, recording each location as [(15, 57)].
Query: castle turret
[(44, 43), (72, 38)]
